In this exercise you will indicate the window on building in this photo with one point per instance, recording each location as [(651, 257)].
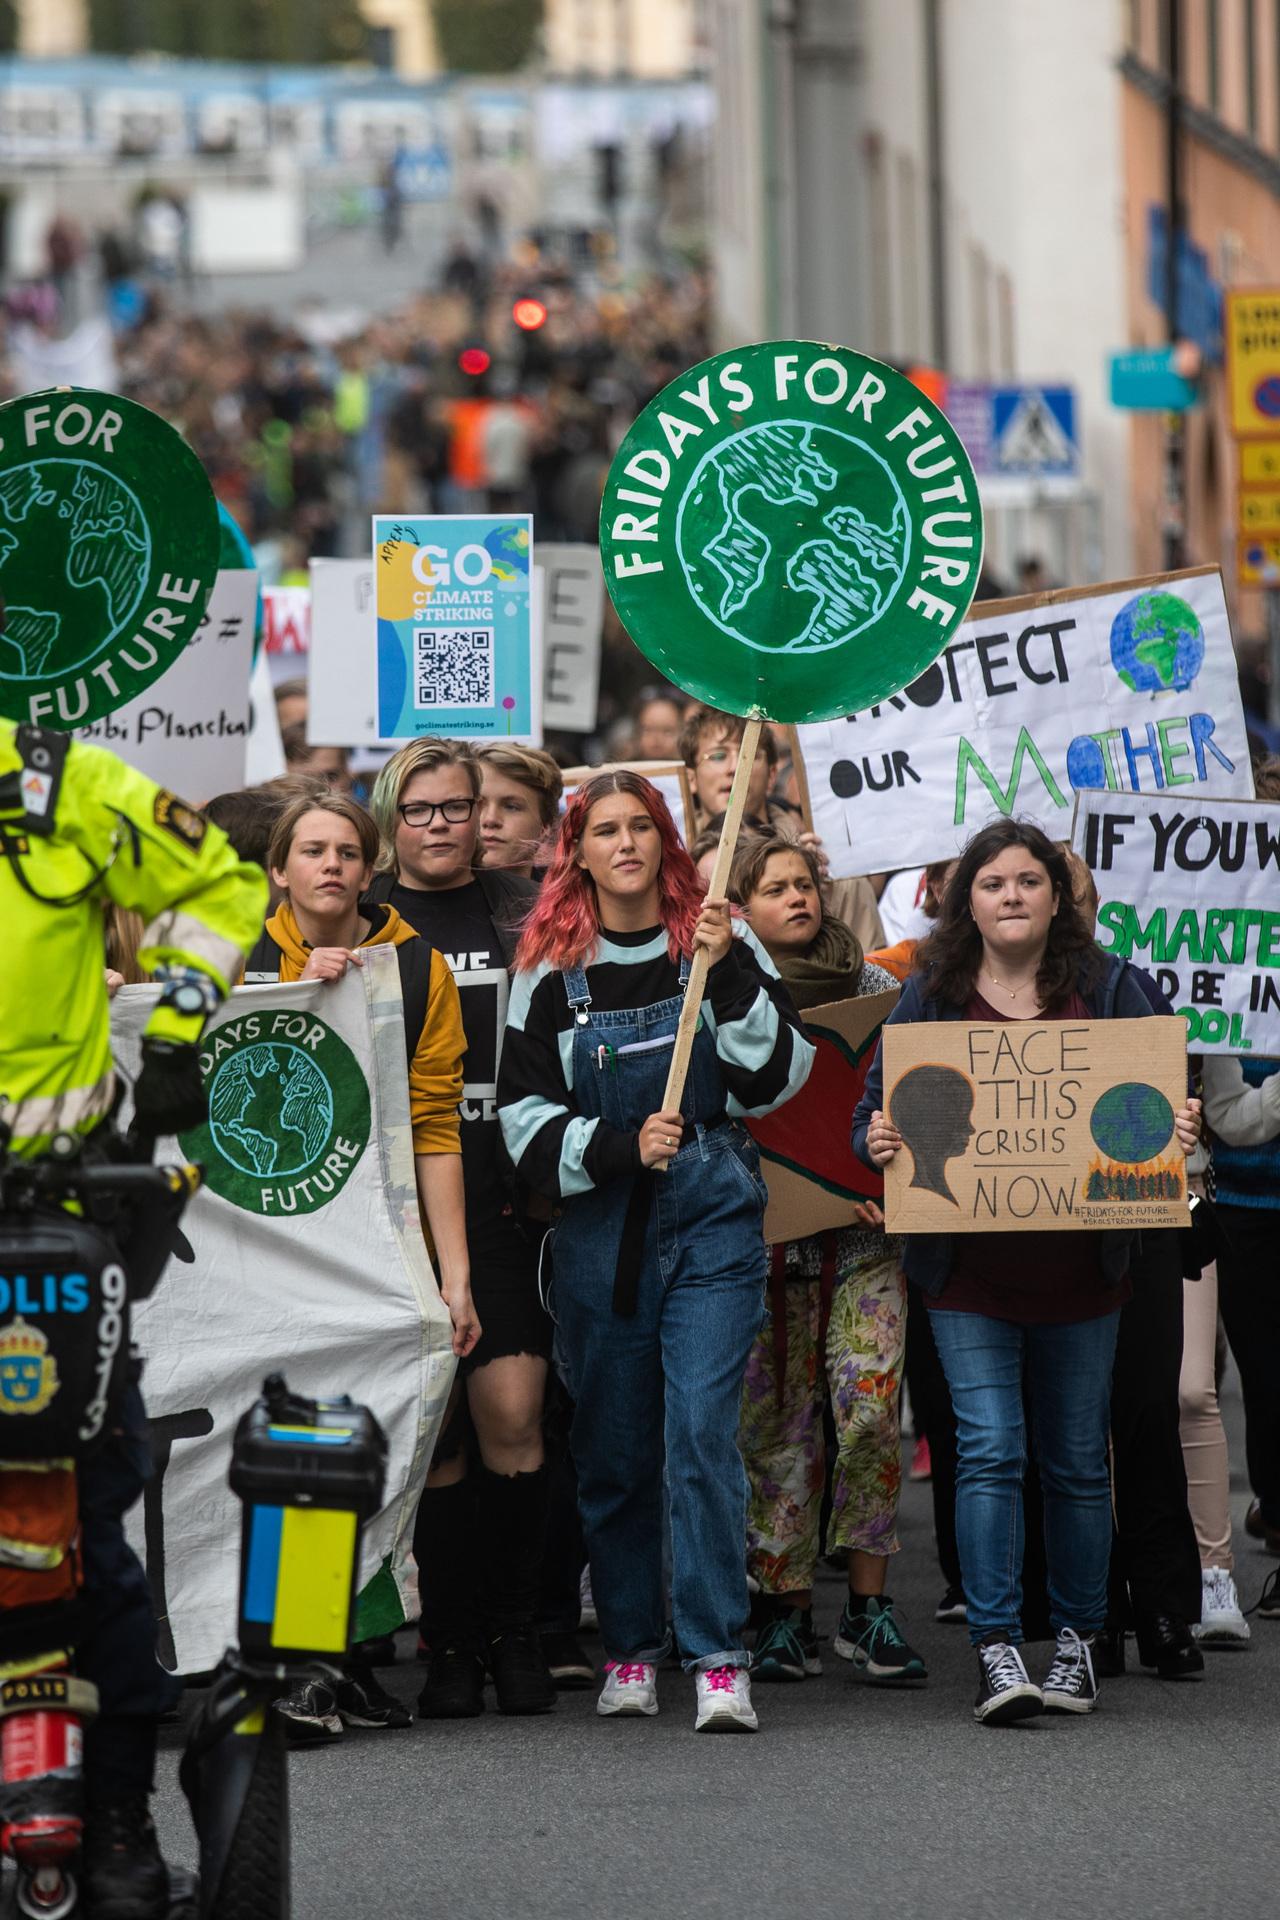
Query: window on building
[(1212, 57), (1251, 66)]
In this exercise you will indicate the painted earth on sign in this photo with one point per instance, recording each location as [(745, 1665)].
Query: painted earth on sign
[(75, 551)]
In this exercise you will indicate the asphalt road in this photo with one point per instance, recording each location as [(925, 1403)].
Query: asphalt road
[(1162, 1806)]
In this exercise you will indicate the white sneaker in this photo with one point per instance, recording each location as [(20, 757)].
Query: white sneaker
[(630, 1686), (724, 1702), (1222, 1624)]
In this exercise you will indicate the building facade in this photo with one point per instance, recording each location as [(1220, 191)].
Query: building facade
[(1226, 58)]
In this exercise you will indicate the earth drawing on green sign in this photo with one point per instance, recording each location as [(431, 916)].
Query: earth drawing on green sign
[(289, 1114), (791, 529), (90, 526), (841, 566), (109, 542)]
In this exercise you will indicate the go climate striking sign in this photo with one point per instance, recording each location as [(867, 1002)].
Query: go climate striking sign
[(108, 553), (791, 528), (288, 1112)]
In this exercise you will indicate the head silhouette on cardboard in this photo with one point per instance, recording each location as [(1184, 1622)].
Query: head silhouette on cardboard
[(931, 1108)]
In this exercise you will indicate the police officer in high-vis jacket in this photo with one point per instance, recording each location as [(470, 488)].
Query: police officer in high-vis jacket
[(79, 829)]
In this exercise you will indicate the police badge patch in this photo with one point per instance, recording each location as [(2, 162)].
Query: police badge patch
[(177, 818), (28, 1372)]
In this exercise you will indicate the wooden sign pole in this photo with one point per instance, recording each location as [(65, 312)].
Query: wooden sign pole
[(697, 983)]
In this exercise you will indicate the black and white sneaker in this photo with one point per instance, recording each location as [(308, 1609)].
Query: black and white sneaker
[(952, 1609), (310, 1714), (361, 1702), (1005, 1693), (1070, 1686)]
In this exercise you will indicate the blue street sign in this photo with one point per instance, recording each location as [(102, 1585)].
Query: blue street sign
[(1026, 431), (1147, 379), (425, 173)]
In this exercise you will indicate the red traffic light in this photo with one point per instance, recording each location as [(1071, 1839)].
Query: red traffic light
[(474, 360), (529, 315)]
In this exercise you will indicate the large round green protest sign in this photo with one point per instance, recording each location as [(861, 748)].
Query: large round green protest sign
[(108, 553), (792, 529)]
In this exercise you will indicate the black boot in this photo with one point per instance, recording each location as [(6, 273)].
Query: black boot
[(1108, 1653), (124, 1875), (513, 1525), (1167, 1644)]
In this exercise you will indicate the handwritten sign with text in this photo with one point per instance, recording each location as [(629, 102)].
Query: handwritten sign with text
[(1192, 893), (1032, 1124)]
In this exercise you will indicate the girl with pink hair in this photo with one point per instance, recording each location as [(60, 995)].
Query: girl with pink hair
[(658, 1253)]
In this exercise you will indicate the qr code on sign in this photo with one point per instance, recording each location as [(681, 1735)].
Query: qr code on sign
[(453, 667)]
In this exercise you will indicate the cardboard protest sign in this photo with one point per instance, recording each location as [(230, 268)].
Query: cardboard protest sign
[(264, 749), (1191, 891), (572, 631), (188, 730), (791, 529), (1128, 688), (670, 777), (1029, 1124), (457, 650), (108, 553), (308, 1252), (815, 1179)]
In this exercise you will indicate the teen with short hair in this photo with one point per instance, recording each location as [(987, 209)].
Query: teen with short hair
[(520, 789)]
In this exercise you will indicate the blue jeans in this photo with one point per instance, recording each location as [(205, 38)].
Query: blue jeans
[(1068, 1372), (666, 1383)]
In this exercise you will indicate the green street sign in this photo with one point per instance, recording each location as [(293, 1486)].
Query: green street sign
[(108, 552), (791, 529)]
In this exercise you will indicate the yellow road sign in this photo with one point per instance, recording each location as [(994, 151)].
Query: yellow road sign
[(1259, 511), (1253, 360), (1258, 560), (1258, 463)]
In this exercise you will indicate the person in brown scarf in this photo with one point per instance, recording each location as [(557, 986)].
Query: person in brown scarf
[(836, 1323)]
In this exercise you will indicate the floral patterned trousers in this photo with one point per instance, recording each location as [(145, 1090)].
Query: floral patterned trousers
[(781, 1436)]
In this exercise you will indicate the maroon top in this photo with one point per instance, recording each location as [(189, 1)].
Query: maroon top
[(1035, 1279)]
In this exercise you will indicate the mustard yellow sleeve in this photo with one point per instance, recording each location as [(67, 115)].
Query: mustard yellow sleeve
[(435, 1072)]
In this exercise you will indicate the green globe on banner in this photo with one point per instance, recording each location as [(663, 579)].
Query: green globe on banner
[(108, 553), (792, 530)]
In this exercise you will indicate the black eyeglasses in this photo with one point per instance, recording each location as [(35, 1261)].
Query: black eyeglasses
[(420, 813)]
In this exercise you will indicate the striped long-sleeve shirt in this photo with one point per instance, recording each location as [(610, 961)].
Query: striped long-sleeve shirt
[(760, 1043)]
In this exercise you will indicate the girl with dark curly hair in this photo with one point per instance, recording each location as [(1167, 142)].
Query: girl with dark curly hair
[(1011, 944)]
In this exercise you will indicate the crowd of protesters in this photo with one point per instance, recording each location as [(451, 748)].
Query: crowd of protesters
[(663, 1425)]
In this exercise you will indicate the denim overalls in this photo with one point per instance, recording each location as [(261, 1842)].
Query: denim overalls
[(666, 1379)]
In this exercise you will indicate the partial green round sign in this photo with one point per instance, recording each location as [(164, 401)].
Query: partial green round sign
[(108, 553), (792, 529), (288, 1112)]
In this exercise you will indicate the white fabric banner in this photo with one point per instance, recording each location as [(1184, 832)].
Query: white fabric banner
[(1130, 687), (1190, 890), (309, 1259), (189, 730)]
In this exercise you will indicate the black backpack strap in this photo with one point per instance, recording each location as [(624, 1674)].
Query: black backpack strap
[(263, 963), (414, 957)]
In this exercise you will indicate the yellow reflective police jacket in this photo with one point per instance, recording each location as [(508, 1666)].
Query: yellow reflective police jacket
[(78, 829)]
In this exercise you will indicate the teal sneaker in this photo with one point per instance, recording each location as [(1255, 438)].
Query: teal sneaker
[(869, 1635), (786, 1648)]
